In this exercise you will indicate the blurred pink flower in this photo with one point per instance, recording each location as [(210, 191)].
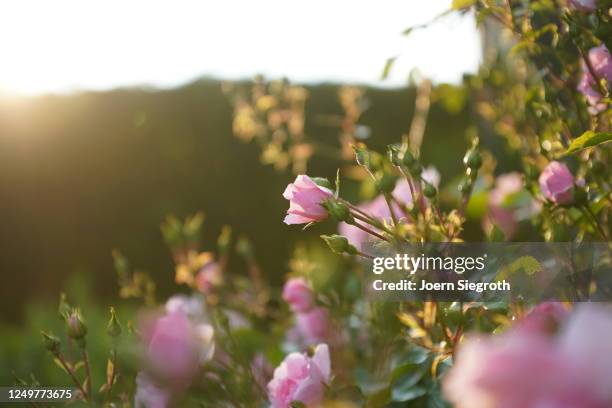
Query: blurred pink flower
[(172, 350), (504, 211), (557, 183), (301, 378), (298, 294), (209, 277), (583, 5), (532, 369), (500, 214), (305, 201), (378, 208), (149, 394), (314, 325), (545, 318), (192, 306), (601, 63)]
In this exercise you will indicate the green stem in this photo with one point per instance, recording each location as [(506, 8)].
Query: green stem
[(72, 375), (369, 231), (595, 222)]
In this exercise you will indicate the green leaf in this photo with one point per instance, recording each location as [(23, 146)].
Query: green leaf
[(588, 139), (401, 394), (461, 4), (387, 69)]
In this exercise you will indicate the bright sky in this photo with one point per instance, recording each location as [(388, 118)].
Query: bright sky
[(66, 45)]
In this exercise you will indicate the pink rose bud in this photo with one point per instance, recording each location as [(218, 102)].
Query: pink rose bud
[(583, 5), (557, 183), (314, 325), (305, 201), (298, 294), (301, 378)]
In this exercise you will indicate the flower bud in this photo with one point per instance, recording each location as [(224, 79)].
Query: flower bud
[(386, 183), (76, 327), (394, 155), (362, 156), (429, 191), (557, 183), (339, 211), (64, 307), (472, 159), (114, 328), (465, 185), (415, 169), (51, 343), (339, 244), (408, 159)]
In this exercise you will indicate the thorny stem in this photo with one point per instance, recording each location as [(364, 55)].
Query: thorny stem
[(359, 253), (369, 231), (373, 222), (391, 212)]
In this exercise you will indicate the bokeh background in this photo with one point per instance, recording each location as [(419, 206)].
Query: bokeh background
[(112, 116)]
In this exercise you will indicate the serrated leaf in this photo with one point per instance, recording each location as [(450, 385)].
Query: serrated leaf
[(588, 139)]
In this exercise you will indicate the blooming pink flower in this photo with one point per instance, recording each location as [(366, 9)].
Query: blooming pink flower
[(557, 183), (209, 277), (172, 352), (532, 369), (305, 201), (298, 294), (301, 378), (601, 64), (583, 5), (314, 325)]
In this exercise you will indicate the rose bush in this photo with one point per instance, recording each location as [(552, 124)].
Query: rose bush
[(541, 98)]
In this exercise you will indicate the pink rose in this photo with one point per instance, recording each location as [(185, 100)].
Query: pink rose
[(583, 5), (305, 201), (557, 183), (298, 294), (533, 369), (209, 277), (172, 350), (301, 378), (601, 63), (314, 325)]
